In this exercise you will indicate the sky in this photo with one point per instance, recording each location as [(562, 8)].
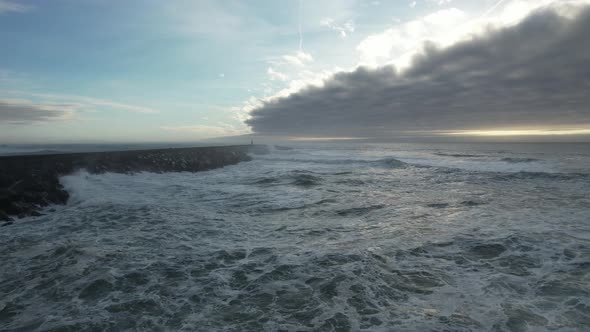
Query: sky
[(83, 71)]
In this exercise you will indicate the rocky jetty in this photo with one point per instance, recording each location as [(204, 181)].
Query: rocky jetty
[(28, 183)]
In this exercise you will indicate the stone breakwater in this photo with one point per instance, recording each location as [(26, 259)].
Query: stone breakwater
[(29, 183)]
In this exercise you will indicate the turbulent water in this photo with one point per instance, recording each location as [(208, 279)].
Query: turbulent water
[(317, 238)]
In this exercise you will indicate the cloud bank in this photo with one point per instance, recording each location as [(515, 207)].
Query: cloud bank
[(20, 111), (16, 111), (11, 6), (533, 74)]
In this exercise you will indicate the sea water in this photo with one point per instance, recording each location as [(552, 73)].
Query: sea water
[(320, 237)]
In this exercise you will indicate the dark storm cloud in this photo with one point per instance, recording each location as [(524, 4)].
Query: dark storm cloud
[(534, 74), (25, 112)]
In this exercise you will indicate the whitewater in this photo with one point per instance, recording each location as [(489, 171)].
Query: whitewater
[(314, 237)]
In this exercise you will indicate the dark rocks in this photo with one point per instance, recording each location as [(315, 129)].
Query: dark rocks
[(4, 216), (27, 192), (28, 183)]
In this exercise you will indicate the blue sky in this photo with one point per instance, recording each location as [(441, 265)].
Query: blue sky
[(118, 71)]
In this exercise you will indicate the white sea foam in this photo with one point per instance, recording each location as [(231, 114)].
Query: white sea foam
[(309, 239)]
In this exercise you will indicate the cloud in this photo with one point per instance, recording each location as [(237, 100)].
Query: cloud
[(343, 29), (437, 2), (87, 102), (93, 102), (298, 59), (400, 42), (11, 6), (530, 75), (275, 75), (20, 111), (27, 110), (441, 2)]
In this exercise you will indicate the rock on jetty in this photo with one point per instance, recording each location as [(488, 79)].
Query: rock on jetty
[(28, 183)]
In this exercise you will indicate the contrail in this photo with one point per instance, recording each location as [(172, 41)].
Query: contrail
[(486, 13), (300, 34), (491, 9)]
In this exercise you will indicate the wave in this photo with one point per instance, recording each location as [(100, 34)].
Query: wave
[(282, 148), (389, 162), (466, 203), (297, 177), (513, 160), (299, 207), (487, 165), (519, 160), (267, 181), (460, 161), (359, 211), (542, 175), (529, 167), (306, 180), (458, 155)]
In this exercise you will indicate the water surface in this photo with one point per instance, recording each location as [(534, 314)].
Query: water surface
[(374, 237)]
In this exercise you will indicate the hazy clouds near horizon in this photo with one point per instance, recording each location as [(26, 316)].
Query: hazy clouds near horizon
[(26, 112), (536, 73)]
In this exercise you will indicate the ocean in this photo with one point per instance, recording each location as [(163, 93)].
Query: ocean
[(317, 237)]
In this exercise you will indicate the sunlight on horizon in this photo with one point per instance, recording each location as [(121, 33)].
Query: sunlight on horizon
[(522, 132), (304, 139)]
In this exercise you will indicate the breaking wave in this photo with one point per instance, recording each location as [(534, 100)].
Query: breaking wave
[(519, 160), (389, 162)]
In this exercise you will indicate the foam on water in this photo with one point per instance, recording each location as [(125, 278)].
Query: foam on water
[(374, 238)]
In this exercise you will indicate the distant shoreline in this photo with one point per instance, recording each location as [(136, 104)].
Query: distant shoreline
[(31, 182)]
